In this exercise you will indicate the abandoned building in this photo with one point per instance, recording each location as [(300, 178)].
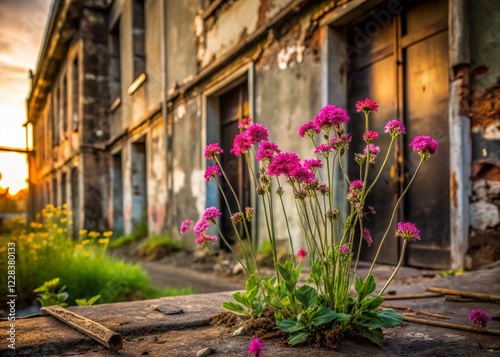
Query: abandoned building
[(127, 93)]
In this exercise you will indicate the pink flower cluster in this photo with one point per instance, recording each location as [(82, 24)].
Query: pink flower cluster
[(479, 318), (370, 136), (344, 249), (366, 106), (341, 142), (308, 129), (256, 347), (185, 226), (301, 254), (212, 171), (212, 150), (395, 128), (266, 151), (408, 231), (254, 134), (424, 145), (330, 116), (367, 236)]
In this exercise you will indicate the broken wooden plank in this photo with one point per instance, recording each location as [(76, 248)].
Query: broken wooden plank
[(412, 296), (450, 325), (415, 311), (98, 332), (462, 293)]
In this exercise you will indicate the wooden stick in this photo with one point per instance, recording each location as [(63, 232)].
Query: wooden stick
[(450, 325), (91, 328), (420, 312), (412, 296), (474, 295)]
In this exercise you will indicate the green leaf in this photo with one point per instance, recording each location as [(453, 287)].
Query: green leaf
[(306, 295), (323, 316), (342, 317), (241, 298), (358, 285), (365, 288), (251, 283), (316, 272), (231, 306), (291, 325), (297, 337), (372, 302), (390, 318), (93, 299), (285, 274), (61, 297), (251, 294), (374, 335)]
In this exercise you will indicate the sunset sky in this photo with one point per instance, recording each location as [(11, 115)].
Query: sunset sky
[(22, 25)]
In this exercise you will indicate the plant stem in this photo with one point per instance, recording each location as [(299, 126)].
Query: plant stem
[(401, 259), (393, 215)]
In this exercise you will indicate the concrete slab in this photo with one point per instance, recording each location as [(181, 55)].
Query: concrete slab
[(152, 333)]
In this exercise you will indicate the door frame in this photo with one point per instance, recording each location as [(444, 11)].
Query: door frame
[(334, 91), (210, 128)]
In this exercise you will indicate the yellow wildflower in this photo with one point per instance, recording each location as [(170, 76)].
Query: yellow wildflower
[(82, 232), (107, 234), (86, 241), (59, 230), (64, 220), (103, 241)]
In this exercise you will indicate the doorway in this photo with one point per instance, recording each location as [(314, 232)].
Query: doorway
[(404, 67)]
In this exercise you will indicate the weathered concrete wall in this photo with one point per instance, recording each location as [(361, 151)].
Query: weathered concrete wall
[(188, 191), (485, 121), (157, 193), (181, 41)]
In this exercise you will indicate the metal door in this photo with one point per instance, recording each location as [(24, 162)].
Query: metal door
[(404, 67)]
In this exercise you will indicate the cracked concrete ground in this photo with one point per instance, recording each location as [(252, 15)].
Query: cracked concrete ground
[(151, 333)]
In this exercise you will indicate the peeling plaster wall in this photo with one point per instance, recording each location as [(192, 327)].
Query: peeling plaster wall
[(181, 41), (157, 182), (226, 31), (188, 199), (484, 102)]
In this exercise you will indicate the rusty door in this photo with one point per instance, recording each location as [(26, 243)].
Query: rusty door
[(234, 106), (403, 65)]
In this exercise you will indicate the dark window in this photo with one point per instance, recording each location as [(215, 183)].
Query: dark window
[(64, 106), (75, 95), (54, 192), (115, 85), (55, 117), (63, 188), (139, 30)]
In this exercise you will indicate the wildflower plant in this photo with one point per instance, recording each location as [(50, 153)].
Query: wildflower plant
[(332, 244)]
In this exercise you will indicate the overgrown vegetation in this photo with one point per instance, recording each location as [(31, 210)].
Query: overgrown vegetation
[(156, 242), (45, 251)]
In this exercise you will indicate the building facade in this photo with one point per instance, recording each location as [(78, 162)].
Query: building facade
[(127, 93)]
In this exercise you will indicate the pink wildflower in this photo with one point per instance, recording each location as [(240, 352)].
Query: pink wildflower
[(283, 164), (301, 254), (341, 142), (424, 145), (241, 144), (256, 347), (344, 249), (366, 106), (308, 129), (266, 151), (245, 123), (302, 174), (185, 226), (408, 231), (201, 226), (370, 136), (210, 214), (395, 128), (479, 318), (323, 149), (330, 116), (357, 184), (211, 171), (367, 237), (374, 150), (237, 217), (256, 133), (203, 238), (313, 164), (211, 150)]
